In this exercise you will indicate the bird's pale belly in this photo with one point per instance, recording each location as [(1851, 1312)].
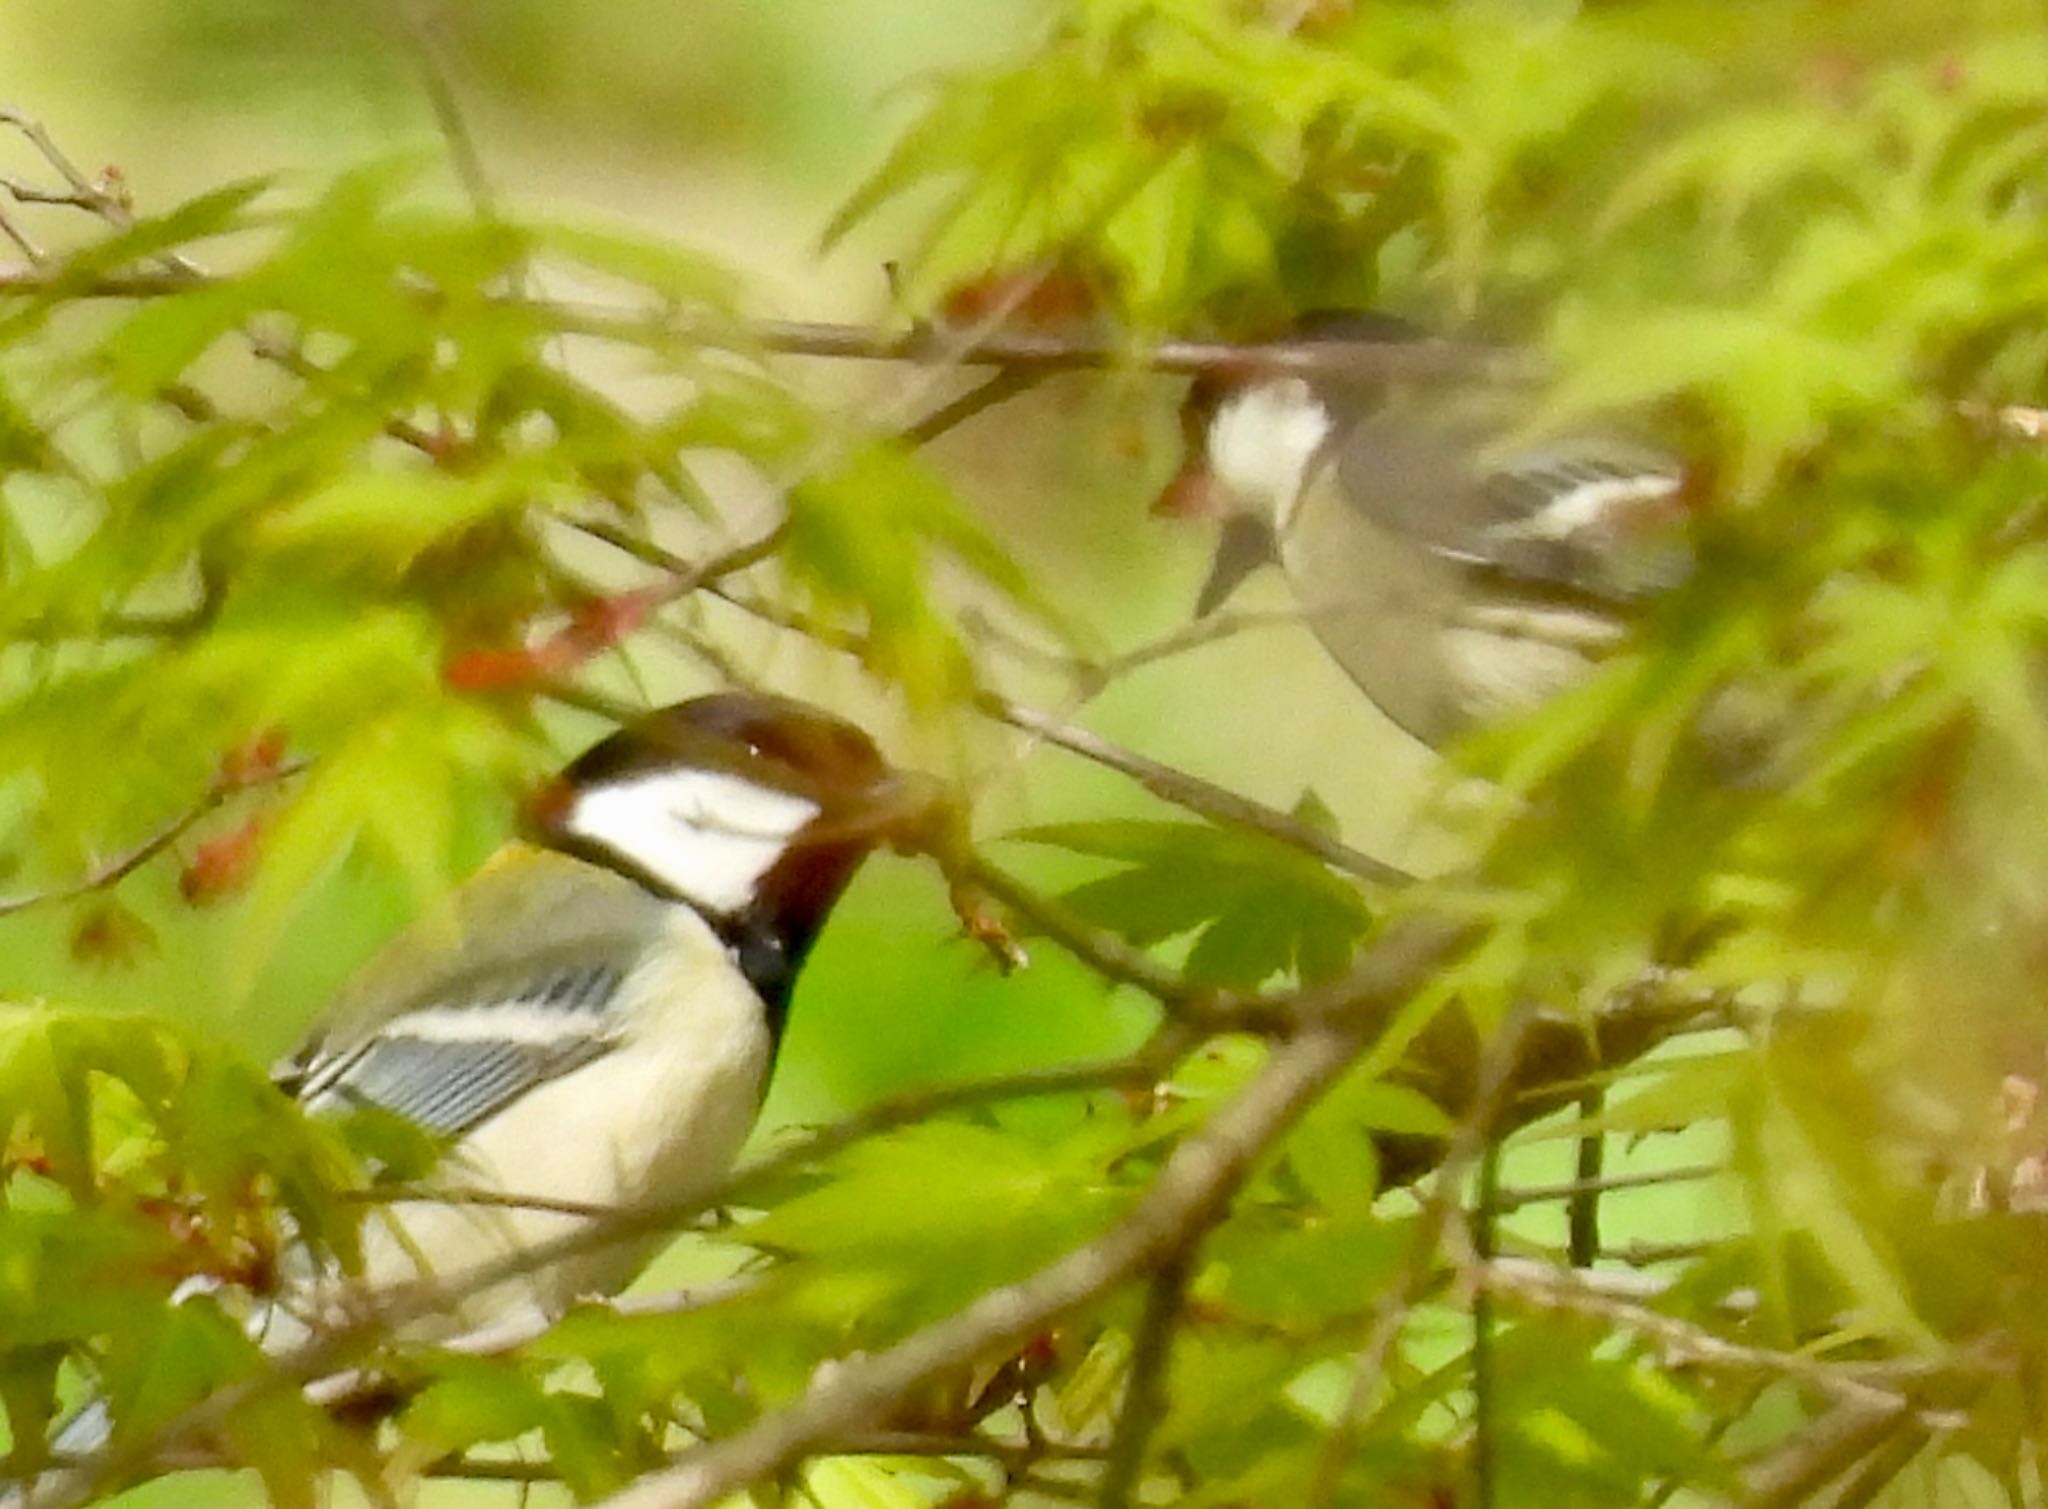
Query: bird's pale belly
[(664, 1126)]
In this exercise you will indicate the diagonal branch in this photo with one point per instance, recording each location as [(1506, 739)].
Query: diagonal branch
[(1193, 1186), (1109, 956), (1683, 1343), (1205, 799), (118, 869), (418, 29)]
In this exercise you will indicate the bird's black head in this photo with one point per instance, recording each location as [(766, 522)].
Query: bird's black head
[(770, 741), (754, 809)]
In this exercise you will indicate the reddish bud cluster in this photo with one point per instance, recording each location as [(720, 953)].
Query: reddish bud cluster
[(256, 761), (221, 865), (594, 627)]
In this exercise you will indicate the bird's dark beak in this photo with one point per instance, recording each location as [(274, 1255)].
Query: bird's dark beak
[(902, 802), (1247, 544), (906, 809)]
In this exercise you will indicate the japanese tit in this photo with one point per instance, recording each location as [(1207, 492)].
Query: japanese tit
[(592, 1024), (595, 1023), (1453, 575)]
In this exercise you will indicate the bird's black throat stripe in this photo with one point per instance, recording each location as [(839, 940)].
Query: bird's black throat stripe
[(756, 945)]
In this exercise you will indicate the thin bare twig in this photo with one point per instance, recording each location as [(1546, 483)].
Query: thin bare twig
[(1571, 1189), (18, 234), (1203, 798), (81, 191), (1420, 360), (118, 869), (987, 345), (1485, 1213), (485, 1198), (1682, 1343), (1395, 1303), (1583, 1214), (1145, 1392), (1109, 956), (417, 27), (1094, 676), (686, 575), (1000, 388), (1822, 1451), (1645, 1254)]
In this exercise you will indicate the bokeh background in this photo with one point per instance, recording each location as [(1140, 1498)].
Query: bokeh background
[(738, 128)]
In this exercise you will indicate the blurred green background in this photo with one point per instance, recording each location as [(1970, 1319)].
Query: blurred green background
[(736, 127)]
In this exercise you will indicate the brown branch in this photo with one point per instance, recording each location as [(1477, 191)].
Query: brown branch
[(1583, 1215), (1034, 351), (1198, 1006), (1391, 1310), (1203, 798), (1000, 388), (1193, 1186), (1541, 1194), (1822, 1451), (1145, 1392), (118, 869)]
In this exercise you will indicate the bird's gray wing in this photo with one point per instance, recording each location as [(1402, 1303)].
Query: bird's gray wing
[(513, 985), (1581, 519), (458, 1059), (1605, 522)]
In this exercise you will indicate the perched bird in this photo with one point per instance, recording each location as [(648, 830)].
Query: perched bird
[(594, 1023), (1453, 575)]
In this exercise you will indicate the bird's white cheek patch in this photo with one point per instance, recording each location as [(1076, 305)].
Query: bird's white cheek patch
[(1263, 442), (704, 834)]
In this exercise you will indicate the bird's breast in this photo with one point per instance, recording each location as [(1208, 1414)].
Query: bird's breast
[(657, 1120)]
